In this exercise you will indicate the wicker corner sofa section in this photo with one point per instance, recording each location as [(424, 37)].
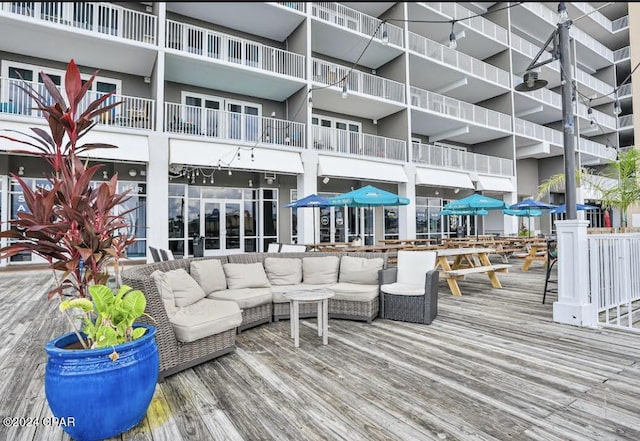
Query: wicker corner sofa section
[(176, 355)]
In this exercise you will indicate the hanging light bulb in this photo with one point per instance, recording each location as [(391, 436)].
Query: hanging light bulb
[(563, 15), (211, 181), (198, 172), (252, 155), (238, 154), (453, 44), (310, 100), (344, 88), (385, 34), (229, 172), (616, 107), (204, 180)]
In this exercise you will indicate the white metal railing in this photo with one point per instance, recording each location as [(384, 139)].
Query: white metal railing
[(298, 6), (595, 149), (537, 131), (614, 272), (215, 45), (485, 27), (620, 23), (446, 157), (133, 112), (101, 18), (592, 82), (359, 144), (345, 17), (543, 94), (622, 54), (625, 90), (594, 14), (602, 118), (358, 81), (459, 60), (193, 120), (531, 50), (441, 104), (626, 121)]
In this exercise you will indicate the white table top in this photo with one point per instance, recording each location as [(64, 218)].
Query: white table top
[(447, 252), (309, 295)]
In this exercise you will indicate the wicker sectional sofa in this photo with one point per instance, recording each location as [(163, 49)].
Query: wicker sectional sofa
[(243, 298)]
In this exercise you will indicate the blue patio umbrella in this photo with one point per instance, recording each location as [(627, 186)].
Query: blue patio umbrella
[(532, 203), (476, 202), (313, 200), (524, 212), (468, 212), (563, 208)]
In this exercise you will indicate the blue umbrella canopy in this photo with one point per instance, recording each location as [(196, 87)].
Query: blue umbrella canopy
[(475, 201), (313, 200), (524, 212), (532, 203), (468, 212), (368, 196), (563, 208)]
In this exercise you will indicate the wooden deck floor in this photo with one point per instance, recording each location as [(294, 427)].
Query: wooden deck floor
[(492, 366)]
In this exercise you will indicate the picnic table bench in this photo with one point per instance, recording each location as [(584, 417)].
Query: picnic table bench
[(477, 260)]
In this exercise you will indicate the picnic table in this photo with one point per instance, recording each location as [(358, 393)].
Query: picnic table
[(537, 252), (477, 262), (420, 241)]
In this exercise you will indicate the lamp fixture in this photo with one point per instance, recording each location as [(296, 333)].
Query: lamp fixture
[(456, 191), (344, 87), (20, 171), (253, 157), (437, 192), (385, 34), (105, 174), (563, 16), (310, 99), (530, 82), (229, 172), (453, 44), (325, 180), (270, 178), (143, 172), (133, 172), (250, 183), (617, 109)]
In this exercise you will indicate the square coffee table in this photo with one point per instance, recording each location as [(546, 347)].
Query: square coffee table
[(319, 296)]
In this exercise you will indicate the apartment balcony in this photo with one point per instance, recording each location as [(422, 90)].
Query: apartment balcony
[(540, 106), (233, 128), (452, 72), (477, 36), (213, 60), (623, 54), (326, 139), (625, 91), (538, 22), (626, 122), (272, 20), (443, 118), (341, 32), (605, 123), (368, 96), (94, 34), (132, 113), (595, 23), (592, 153), (456, 159)]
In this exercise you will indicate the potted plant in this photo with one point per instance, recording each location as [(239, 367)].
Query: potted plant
[(107, 383)]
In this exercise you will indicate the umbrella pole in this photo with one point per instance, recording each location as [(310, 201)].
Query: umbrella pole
[(529, 225), (314, 226)]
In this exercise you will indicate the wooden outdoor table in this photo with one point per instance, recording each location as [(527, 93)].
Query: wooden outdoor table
[(537, 252), (425, 241), (478, 262)]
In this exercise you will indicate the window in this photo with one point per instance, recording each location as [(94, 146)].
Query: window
[(336, 134)]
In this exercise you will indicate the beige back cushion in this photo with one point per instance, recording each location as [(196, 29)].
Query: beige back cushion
[(186, 291), (245, 275), (283, 271), (413, 266), (360, 270), (209, 275), (320, 270), (164, 288)]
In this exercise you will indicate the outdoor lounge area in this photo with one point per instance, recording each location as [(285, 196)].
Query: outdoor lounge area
[(492, 365)]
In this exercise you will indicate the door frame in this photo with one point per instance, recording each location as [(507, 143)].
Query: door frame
[(222, 227)]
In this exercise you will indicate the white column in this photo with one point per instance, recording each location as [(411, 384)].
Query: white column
[(307, 184), (157, 78), (158, 192), (510, 222), (574, 306), (407, 213)]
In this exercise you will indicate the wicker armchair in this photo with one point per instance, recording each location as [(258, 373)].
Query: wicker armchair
[(409, 292)]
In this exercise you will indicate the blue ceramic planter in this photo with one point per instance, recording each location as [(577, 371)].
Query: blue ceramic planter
[(102, 398)]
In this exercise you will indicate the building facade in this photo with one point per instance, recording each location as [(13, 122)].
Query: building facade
[(231, 110)]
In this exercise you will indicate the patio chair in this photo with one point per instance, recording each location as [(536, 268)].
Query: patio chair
[(552, 258), (292, 248), (409, 293), (166, 255), (155, 255), (273, 247)]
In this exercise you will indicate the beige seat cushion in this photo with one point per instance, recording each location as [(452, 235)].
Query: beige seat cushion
[(186, 291), (354, 292), (245, 275), (204, 318), (283, 271), (320, 270), (279, 291), (209, 275), (244, 297), (360, 270), (402, 289), (164, 288)]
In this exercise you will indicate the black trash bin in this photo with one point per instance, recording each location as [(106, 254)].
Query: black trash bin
[(198, 246)]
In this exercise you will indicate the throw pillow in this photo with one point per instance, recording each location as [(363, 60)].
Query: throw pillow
[(209, 275), (245, 275), (283, 271), (164, 288), (360, 270), (320, 270), (185, 290)]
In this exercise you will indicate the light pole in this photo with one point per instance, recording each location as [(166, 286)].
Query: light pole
[(561, 50)]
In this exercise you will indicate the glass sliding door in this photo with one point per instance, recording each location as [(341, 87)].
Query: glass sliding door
[(222, 226)]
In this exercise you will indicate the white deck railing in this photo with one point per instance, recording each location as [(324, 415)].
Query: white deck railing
[(614, 272), (622, 54), (101, 18), (544, 95), (485, 27), (193, 120), (596, 149), (133, 112), (447, 157), (602, 118), (620, 23), (594, 14), (625, 90), (537, 131), (215, 45), (298, 6), (359, 144), (357, 81), (626, 121), (443, 54), (531, 50), (347, 18), (592, 82), (441, 104)]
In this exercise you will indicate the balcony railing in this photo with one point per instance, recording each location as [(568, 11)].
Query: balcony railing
[(531, 50), (620, 23), (459, 60), (433, 102), (594, 14), (133, 112), (358, 144), (482, 25), (101, 18), (602, 118), (193, 120), (536, 131), (215, 45), (622, 54), (592, 82), (358, 81), (347, 18), (544, 95), (446, 157), (298, 6), (626, 121), (625, 90), (596, 149)]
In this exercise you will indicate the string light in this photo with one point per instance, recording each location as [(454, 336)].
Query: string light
[(617, 109), (453, 44), (344, 87), (385, 34)]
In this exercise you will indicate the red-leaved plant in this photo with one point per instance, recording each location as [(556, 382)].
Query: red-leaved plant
[(70, 222)]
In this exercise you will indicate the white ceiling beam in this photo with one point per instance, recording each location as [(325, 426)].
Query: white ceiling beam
[(449, 134), (456, 84), (530, 111)]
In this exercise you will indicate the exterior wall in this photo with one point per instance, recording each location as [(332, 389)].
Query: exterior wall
[(527, 178)]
